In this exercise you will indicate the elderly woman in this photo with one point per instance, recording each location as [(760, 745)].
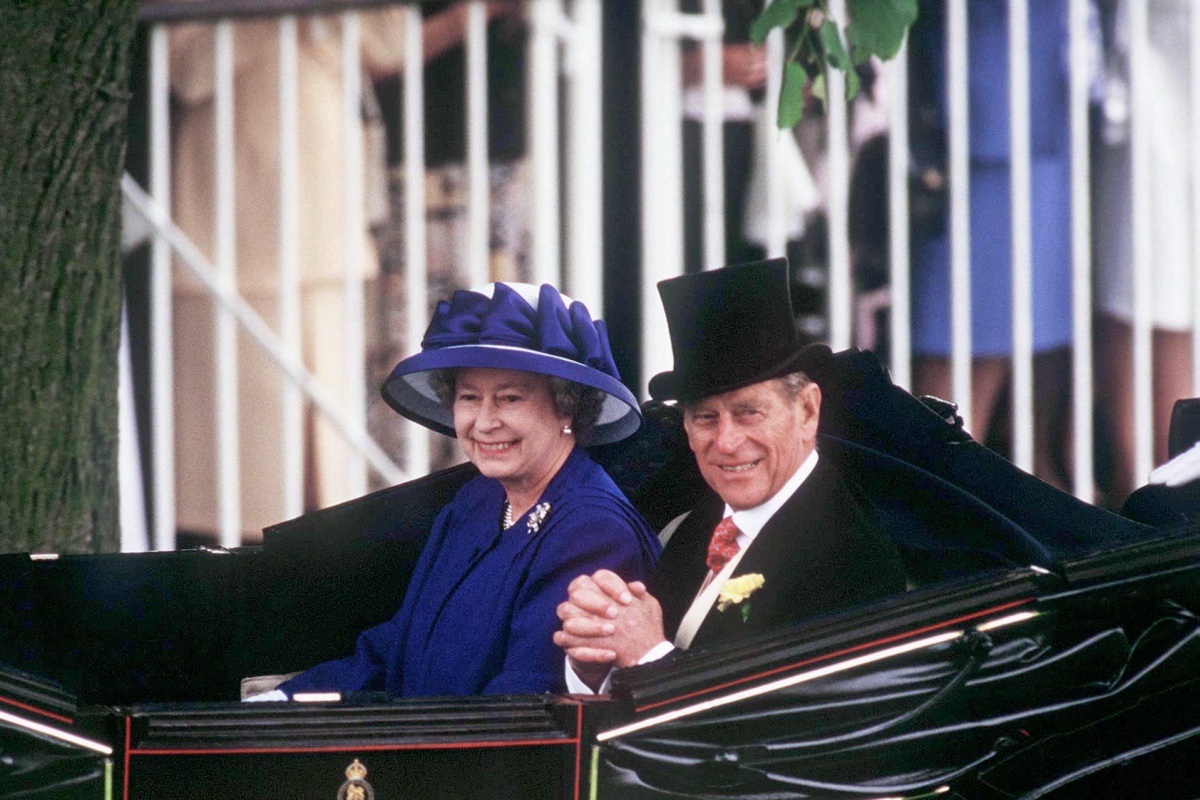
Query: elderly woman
[(524, 381)]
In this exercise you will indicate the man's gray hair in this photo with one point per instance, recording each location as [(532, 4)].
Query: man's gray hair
[(792, 384)]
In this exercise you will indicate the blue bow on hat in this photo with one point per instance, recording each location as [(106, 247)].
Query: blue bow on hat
[(507, 331)]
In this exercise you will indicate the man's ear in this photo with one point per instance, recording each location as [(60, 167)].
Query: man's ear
[(810, 406)]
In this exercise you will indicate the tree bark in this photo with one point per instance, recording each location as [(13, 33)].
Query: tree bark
[(63, 97)]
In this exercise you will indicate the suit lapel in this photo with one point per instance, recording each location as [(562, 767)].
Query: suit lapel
[(682, 569)]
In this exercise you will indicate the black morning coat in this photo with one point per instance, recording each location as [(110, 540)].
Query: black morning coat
[(820, 552)]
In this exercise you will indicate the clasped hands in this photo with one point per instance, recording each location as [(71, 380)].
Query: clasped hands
[(607, 622)]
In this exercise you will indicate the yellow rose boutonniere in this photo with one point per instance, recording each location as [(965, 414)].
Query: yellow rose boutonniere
[(736, 590)]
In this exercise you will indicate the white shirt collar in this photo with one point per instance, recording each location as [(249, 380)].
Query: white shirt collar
[(751, 520)]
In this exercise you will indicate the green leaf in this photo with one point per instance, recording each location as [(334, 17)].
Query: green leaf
[(791, 95), (831, 40), (779, 14), (852, 83), (878, 27), (818, 88)]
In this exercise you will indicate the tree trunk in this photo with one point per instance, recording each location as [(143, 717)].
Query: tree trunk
[(63, 97)]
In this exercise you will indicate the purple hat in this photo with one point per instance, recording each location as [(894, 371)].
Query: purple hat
[(513, 326)]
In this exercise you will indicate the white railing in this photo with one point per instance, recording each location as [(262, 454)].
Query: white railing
[(564, 44)]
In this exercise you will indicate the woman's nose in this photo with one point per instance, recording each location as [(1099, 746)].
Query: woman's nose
[(487, 418)]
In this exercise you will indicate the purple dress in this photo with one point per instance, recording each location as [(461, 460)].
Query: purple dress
[(991, 218)]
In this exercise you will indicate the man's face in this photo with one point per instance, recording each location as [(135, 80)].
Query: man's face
[(749, 441)]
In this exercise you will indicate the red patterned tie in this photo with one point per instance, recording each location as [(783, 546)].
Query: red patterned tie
[(724, 544)]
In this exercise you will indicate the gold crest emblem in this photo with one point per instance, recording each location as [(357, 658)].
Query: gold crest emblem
[(356, 786)]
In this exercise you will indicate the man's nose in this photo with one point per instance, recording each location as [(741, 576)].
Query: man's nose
[(729, 436)]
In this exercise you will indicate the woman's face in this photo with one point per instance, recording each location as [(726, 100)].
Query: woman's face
[(507, 426)]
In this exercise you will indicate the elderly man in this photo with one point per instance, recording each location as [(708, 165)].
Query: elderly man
[(785, 537)]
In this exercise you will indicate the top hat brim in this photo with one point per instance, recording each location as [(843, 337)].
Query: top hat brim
[(409, 391), (810, 359)]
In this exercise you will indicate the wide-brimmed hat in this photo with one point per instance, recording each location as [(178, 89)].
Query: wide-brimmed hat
[(513, 326), (731, 327)]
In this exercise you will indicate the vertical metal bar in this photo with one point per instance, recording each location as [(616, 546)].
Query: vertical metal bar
[(585, 179), (960, 208), (353, 232), (654, 322), (840, 296), (1022, 236), (776, 225), (899, 260), (292, 444), (662, 180), (1081, 257), (162, 368), (129, 463), (1194, 44), (542, 94), (225, 212), (1143, 372), (713, 133), (478, 185), (415, 262)]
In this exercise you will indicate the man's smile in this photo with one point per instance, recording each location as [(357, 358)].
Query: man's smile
[(743, 467)]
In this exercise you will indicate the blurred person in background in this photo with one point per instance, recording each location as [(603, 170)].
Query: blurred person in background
[(321, 247), (991, 223), (1168, 105)]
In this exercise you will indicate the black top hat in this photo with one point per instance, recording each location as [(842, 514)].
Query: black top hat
[(731, 327)]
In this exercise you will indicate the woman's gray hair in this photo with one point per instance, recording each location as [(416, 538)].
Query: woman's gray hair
[(580, 403)]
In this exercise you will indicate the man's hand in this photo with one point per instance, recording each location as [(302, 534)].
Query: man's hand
[(607, 622)]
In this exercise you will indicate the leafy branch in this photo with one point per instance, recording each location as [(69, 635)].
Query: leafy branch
[(876, 28)]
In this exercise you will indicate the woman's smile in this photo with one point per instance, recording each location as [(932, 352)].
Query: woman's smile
[(508, 428)]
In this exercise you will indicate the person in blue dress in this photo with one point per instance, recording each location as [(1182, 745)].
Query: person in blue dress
[(991, 222), (524, 379)]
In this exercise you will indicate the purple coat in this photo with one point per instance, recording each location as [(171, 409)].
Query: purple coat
[(479, 613)]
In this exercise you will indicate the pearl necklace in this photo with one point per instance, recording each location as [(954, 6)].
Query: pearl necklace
[(537, 515)]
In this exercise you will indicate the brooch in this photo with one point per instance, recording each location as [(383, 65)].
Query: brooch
[(736, 590), (537, 516)]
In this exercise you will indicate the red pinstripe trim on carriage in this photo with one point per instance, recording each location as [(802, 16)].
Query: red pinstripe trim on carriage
[(128, 739), (579, 745), (36, 710), (342, 748)]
